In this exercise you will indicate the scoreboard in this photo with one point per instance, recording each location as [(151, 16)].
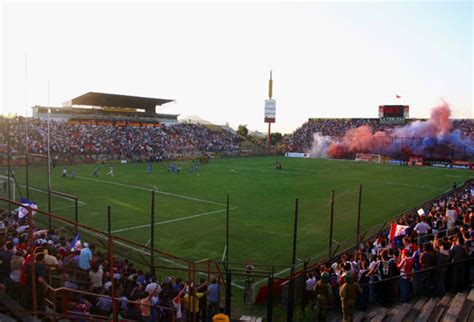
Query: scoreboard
[(393, 113)]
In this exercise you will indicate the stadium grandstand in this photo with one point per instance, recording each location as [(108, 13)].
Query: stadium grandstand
[(109, 109), (98, 126)]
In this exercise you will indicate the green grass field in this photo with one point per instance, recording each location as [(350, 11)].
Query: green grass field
[(190, 209)]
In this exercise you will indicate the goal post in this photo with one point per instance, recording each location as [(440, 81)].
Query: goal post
[(374, 158)]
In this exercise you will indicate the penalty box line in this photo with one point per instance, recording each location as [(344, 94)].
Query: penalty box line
[(173, 220), (157, 191)]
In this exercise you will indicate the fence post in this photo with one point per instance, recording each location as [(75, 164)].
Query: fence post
[(291, 290), (9, 170), (152, 234), (228, 292), (111, 263), (358, 216), (27, 174), (76, 213), (270, 298), (32, 261), (227, 234), (228, 289), (305, 298), (331, 225)]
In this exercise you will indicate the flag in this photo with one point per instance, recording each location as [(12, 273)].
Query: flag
[(22, 211), (398, 96), (397, 230), (76, 243)]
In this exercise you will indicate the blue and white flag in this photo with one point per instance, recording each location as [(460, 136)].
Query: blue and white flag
[(22, 211), (76, 243)]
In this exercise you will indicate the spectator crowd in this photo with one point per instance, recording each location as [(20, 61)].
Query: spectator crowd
[(433, 254), (131, 142)]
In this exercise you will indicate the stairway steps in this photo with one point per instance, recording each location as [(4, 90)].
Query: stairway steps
[(402, 312), (371, 314), (11, 304), (359, 316), (380, 316), (427, 310), (441, 308), (392, 312), (470, 297), (455, 307), (415, 309), (466, 311)]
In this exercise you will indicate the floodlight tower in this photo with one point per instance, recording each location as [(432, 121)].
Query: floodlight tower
[(270, 105)]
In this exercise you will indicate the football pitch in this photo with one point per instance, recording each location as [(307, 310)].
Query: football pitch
[(190, 216)]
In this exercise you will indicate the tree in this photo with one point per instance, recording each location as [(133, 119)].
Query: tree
[(242, 130), (275, 138)]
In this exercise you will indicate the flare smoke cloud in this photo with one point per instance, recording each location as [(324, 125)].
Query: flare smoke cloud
[(433, 138)]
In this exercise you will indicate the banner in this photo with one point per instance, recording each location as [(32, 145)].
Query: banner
[(296, 155), (397, 230), (270, 107)]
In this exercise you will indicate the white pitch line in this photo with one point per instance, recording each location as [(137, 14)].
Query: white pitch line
[(80, 203), (147, 189), (319, 174), (172, 220)]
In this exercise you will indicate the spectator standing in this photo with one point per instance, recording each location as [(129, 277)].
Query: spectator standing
[(406, 267), (323, 295), (213, 297), (5, 258), (458, 255), (349, 292), (85, 257)]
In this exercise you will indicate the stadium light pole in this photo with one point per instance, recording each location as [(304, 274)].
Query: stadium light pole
[(27, 179), (291, 288), (49, 162)]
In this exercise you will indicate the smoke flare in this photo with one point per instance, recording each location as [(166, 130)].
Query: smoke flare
[(434, 138)]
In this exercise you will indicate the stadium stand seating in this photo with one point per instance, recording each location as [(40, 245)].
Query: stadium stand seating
[(127, 142)]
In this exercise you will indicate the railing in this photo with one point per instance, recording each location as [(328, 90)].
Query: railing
[(61, 310), (206, 267)]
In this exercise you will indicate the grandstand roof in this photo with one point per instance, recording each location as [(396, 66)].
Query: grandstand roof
[(116, 100)]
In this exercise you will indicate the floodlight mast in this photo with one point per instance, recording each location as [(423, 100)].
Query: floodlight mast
[(49, 162), (270, 92)]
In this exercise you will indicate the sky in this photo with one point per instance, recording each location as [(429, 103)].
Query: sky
[(329, 59)]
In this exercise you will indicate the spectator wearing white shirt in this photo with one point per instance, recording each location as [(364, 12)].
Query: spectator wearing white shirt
[(422, 229)]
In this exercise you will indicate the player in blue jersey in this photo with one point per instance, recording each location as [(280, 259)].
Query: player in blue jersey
[(149, 168)]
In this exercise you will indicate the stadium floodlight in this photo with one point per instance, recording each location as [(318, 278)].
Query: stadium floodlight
[(26, 127), (49, 159)]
